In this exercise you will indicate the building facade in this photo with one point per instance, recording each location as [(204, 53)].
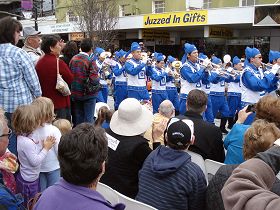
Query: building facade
[(214, 26)]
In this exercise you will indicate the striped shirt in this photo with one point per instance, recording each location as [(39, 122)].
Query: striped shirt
[(181, 187), (19, 83)]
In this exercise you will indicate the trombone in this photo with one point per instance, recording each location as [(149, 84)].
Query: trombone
[(266, 66), (220, 69)]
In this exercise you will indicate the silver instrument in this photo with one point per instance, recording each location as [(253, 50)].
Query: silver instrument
[(220, 69)]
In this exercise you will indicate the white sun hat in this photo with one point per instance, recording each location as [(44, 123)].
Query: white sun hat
[(131, 119)]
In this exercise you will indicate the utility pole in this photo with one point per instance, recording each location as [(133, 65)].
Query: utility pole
[(35, 10)]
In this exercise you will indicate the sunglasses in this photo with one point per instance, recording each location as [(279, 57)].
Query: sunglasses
[(7, 134)]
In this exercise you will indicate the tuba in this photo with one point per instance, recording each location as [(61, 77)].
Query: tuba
[(177, 65), (106, 63)]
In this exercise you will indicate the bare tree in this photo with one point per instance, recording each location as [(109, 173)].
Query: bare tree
[(97, 18)]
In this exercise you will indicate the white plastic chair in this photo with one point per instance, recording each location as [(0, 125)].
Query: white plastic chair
[(212, 167), (131, 204), (109, 194), (198, 159)]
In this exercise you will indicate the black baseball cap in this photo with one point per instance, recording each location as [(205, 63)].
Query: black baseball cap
[(179, 132)]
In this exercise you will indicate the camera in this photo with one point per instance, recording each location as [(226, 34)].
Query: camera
[(251, 108)]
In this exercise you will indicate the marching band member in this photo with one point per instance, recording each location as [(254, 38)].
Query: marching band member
[(218, 98), (253, 81), (274, 60), (206, 81), (104, 74), (158, 77), (94, 56), (120, 92), (234, 91), (136, 74), (171, 89), (191, 75)]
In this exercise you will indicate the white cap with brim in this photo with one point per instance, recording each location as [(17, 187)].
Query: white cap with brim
[(30, 31), (131, 119)]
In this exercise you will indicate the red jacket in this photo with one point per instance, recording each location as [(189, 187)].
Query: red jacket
[(47, 73)]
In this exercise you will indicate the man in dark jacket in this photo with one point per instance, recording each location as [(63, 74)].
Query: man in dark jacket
[(208, 138), (169, 179)]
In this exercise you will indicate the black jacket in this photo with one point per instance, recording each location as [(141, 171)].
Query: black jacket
[(208, 138), (124, 163)]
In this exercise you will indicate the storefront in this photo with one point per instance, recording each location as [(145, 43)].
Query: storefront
[(207, 29)]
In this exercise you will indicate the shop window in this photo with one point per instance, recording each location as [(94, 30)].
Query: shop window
[(248, 2), (121, 11), (158, 6), (207, 4)]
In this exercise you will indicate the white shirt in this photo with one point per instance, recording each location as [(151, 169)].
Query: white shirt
[(50, 163)]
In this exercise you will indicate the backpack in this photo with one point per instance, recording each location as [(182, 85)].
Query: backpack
[(9, 201)]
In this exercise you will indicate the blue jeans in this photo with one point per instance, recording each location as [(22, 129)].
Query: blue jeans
[(12, 146), (84, 110), (47, 179)]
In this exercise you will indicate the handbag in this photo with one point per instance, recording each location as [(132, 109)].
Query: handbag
[(61, 85)]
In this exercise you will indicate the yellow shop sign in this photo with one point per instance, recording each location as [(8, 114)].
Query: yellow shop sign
[(188, 18)]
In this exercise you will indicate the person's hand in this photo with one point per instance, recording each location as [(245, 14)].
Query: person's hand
[(206, 62), (275, 69), (49, 142), (158, 130), (242, 115)]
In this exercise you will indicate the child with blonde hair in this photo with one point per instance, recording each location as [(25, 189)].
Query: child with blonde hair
[(25, 122), (63, 125), (50, 169)]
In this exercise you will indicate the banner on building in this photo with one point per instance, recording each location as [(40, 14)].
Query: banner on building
[(220, 32), (27, 4), (267, 15), (188, 18)]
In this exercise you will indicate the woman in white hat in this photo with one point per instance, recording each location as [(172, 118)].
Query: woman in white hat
[(128, 148)]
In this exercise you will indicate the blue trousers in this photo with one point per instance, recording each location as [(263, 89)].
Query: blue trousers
[(208, 114), (157, 98), (84, 110), (183, 104), (138, 94), (219, 103), (48, 179), (12, 146), (172, 95), (234, 104), (120, 94), (102, 95)]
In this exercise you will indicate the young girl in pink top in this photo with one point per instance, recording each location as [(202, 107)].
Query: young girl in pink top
[(30, 157)]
